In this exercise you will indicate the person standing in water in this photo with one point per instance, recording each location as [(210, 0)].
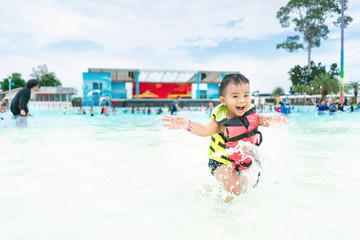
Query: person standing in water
[(284, 109), (3, 105), (320, 107), (19, 104), (332, 107), (233, 123), (357, 107), (211, 108), (104, 109), (175, 105)]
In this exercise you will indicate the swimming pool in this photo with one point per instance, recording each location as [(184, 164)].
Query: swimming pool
[(126, 177)]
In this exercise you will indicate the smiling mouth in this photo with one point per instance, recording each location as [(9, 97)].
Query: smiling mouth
[(240, 109)]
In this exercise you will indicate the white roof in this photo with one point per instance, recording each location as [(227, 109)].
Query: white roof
[(169, 76)]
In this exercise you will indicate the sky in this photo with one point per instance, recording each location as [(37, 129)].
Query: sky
[(70, 36)]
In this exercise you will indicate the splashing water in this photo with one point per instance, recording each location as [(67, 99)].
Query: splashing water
[(246, 149)]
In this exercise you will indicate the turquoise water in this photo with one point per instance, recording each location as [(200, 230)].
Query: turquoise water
[(126, 177)]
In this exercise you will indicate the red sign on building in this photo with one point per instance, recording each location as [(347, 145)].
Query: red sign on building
[(163, 90)]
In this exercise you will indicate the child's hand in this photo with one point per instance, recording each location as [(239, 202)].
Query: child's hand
[(278, 120), (176, 122)]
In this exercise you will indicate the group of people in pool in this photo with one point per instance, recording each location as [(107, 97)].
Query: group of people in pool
[(175, 107), (322, 107), (82, 111)]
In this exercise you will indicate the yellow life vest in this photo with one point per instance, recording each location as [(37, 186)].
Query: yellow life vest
[(217, 144)]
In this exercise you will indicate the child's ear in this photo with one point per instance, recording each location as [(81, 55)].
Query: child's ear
[(222, 100)]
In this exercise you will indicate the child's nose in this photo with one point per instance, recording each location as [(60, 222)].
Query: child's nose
[(241, 99)]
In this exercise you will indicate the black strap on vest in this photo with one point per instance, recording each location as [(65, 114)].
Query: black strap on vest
[(248, 135), (219, 143), (260, 138), (247, 165), (241, 121), (238, 121), (245, 135), (237, 165)]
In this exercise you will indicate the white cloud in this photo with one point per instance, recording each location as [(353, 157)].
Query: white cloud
[(123, 26)]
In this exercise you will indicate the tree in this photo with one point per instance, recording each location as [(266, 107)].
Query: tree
[(298, 75), (277, 92), (324, 84), (334, 70), (16, 79), (45, 77), (355, 86), (311, 19), (301, 89)]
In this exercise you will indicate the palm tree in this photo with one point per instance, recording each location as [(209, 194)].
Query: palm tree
[(301, 88), (277, 93), (355, 86), (324, 84)]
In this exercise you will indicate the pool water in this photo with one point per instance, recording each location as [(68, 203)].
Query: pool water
[(124, 176)]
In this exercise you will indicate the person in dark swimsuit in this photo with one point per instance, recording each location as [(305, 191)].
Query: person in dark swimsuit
[(18, 105), (175, 105)]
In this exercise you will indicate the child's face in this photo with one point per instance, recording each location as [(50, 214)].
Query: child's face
[(237, 99)]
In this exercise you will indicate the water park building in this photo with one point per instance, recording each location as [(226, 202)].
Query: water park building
[(137, 84)]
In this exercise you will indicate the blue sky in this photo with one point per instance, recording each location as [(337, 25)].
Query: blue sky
[(69, 36)]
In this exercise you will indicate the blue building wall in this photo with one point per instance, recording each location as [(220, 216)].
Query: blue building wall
[(118, 90), (96, 86), (213, 91)]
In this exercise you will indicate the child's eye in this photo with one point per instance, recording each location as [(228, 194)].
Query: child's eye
[(234, 96)]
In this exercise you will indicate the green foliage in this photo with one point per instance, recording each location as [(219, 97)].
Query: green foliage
[(324, 84), (298, 75), (45, 77), (311, 19), (76, 99), (334, 70), (16, 79), (301, 89), (278, 91), (355, 86), (291, 44)]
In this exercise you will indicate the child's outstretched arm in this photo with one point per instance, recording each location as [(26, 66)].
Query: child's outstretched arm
[(272, 121), (182, 122)]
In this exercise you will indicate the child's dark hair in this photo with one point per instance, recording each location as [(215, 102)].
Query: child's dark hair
[(32, 83), (232, 78)]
